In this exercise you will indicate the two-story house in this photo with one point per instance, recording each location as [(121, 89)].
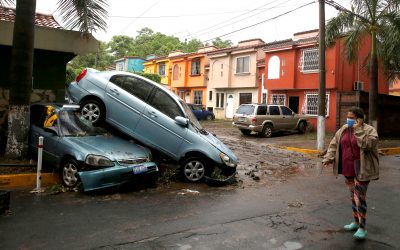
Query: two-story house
[(129, 63), (159, 65), (190, 75), (233, 78), (292, 75)]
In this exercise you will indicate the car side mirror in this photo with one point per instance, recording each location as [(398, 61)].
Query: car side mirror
[(181, 121), (52, 130), (293, 113)]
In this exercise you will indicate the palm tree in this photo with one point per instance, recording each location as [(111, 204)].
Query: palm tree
[(85, 15), (379, 19)]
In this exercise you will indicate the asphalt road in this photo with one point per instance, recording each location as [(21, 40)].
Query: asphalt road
[(305, 211)]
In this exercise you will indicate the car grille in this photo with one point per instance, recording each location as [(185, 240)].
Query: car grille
[(127, 162)]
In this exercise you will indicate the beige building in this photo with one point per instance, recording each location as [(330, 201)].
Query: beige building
[(233, 78)]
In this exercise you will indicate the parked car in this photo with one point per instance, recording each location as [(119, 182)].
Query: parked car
[(82, 152), (152, 115), (200, 112), (265, 119)]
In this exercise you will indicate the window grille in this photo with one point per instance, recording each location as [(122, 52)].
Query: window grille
[(278, 99), (309, 60), (220, 100), (310, 106), (198, 97), (242, 64), (161, 69), (120, 66), (195, 67)]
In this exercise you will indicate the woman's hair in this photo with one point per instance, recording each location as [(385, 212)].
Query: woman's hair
[(359, 112)]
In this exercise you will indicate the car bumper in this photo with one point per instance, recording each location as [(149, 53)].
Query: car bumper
[(114, 176), (254, 128), (75, 93)]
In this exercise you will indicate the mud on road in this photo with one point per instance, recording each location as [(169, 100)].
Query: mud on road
[(260, 161)]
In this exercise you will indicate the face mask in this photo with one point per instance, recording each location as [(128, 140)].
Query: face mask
[(350, 122)]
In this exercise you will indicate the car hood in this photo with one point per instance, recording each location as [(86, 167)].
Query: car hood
[(111, 147), (219, 145)]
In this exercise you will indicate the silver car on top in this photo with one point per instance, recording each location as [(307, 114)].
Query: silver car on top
[(152, 115)]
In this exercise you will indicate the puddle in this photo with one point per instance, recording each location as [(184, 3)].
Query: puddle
[(292, 245)]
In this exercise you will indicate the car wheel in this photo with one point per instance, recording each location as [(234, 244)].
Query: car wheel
[(245, 131), (193, 169), (267, 130), (69, 173), (209, 117), (92, 111), (302, 127)]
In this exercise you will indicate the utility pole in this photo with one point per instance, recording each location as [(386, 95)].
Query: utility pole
[(322, 78)]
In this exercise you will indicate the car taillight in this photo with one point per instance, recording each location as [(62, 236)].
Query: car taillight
[(81, 75), (254, 120)]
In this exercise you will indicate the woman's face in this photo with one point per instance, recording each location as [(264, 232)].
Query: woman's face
[(351, 115)]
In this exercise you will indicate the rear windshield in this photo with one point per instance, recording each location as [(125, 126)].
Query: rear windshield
[(246, 109)]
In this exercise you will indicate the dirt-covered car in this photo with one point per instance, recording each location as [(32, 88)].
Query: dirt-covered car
[(82, 152), (265, 119)]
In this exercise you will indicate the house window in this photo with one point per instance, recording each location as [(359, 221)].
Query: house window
[(161, 69), (176, 72), (311, 104), (309, 60), (273, 67), (195, 67), (278, 99), (210, 95), (219, 100), (198, 97), (245, 98), (243, 64), (120, 66)]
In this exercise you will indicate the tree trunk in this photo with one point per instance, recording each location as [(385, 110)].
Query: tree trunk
[(21, 78), (373, 86)]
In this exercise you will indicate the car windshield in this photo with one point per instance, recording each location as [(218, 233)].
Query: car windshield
[(73, 124), (246, 109), (193, 120)]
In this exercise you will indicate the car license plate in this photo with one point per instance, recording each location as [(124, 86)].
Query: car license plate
[(242, 119), (139, 169)]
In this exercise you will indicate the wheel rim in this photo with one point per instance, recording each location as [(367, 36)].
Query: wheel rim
[(209, 117), (70, 174), (194, 170), (268, 132), (302, 127), (91, 112)]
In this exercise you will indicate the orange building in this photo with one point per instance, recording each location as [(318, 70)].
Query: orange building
[(292, 75), (190, 75)]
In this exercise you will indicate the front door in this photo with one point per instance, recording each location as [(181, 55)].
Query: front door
[(229, 106), (294, 103)]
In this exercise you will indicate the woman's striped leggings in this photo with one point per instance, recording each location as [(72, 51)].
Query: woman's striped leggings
[(358, 192)]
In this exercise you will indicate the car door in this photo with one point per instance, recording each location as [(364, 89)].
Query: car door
[(126, 100), (261, 114), (50, 143), (157, 127), (288, 118), (275, 116)]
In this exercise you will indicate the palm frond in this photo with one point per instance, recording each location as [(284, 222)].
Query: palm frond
[(337, 26), (353, 41), (86, 15)]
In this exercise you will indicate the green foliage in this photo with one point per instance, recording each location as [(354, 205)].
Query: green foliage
[(154, 77), (192, 46), (121, 46), (220, 44)]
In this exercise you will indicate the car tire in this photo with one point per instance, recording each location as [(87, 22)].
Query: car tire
[(209, 117), (245, 131), (93, 111), (193, 169), (267, 130), (69, 173), (302, 127)]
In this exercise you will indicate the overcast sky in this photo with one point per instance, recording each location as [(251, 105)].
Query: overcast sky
[(235, 20)]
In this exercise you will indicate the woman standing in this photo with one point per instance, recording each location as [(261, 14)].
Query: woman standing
[(353, 152)]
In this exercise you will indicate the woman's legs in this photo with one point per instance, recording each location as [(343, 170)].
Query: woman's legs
[(360, 192), (350, 183)]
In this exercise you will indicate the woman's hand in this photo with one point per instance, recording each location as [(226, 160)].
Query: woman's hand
[(359, 123)]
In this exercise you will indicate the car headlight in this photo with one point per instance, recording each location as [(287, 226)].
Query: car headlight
[(98, 161), (228, 161)]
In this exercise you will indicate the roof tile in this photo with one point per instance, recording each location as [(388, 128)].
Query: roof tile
[(45, 20)]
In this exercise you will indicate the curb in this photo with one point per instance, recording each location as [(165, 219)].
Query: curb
[(9, 181), (382, 151)]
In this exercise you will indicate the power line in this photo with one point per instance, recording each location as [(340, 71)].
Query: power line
[(144, 12), (264, 21)]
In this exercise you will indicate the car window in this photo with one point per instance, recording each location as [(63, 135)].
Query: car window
[(137, 87), (118, 80), (262, 110), (196, 108), (165, 104), (274, 110), (286, 110), (246, 109)]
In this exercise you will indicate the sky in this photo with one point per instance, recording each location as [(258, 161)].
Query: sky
[(235, 20)]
